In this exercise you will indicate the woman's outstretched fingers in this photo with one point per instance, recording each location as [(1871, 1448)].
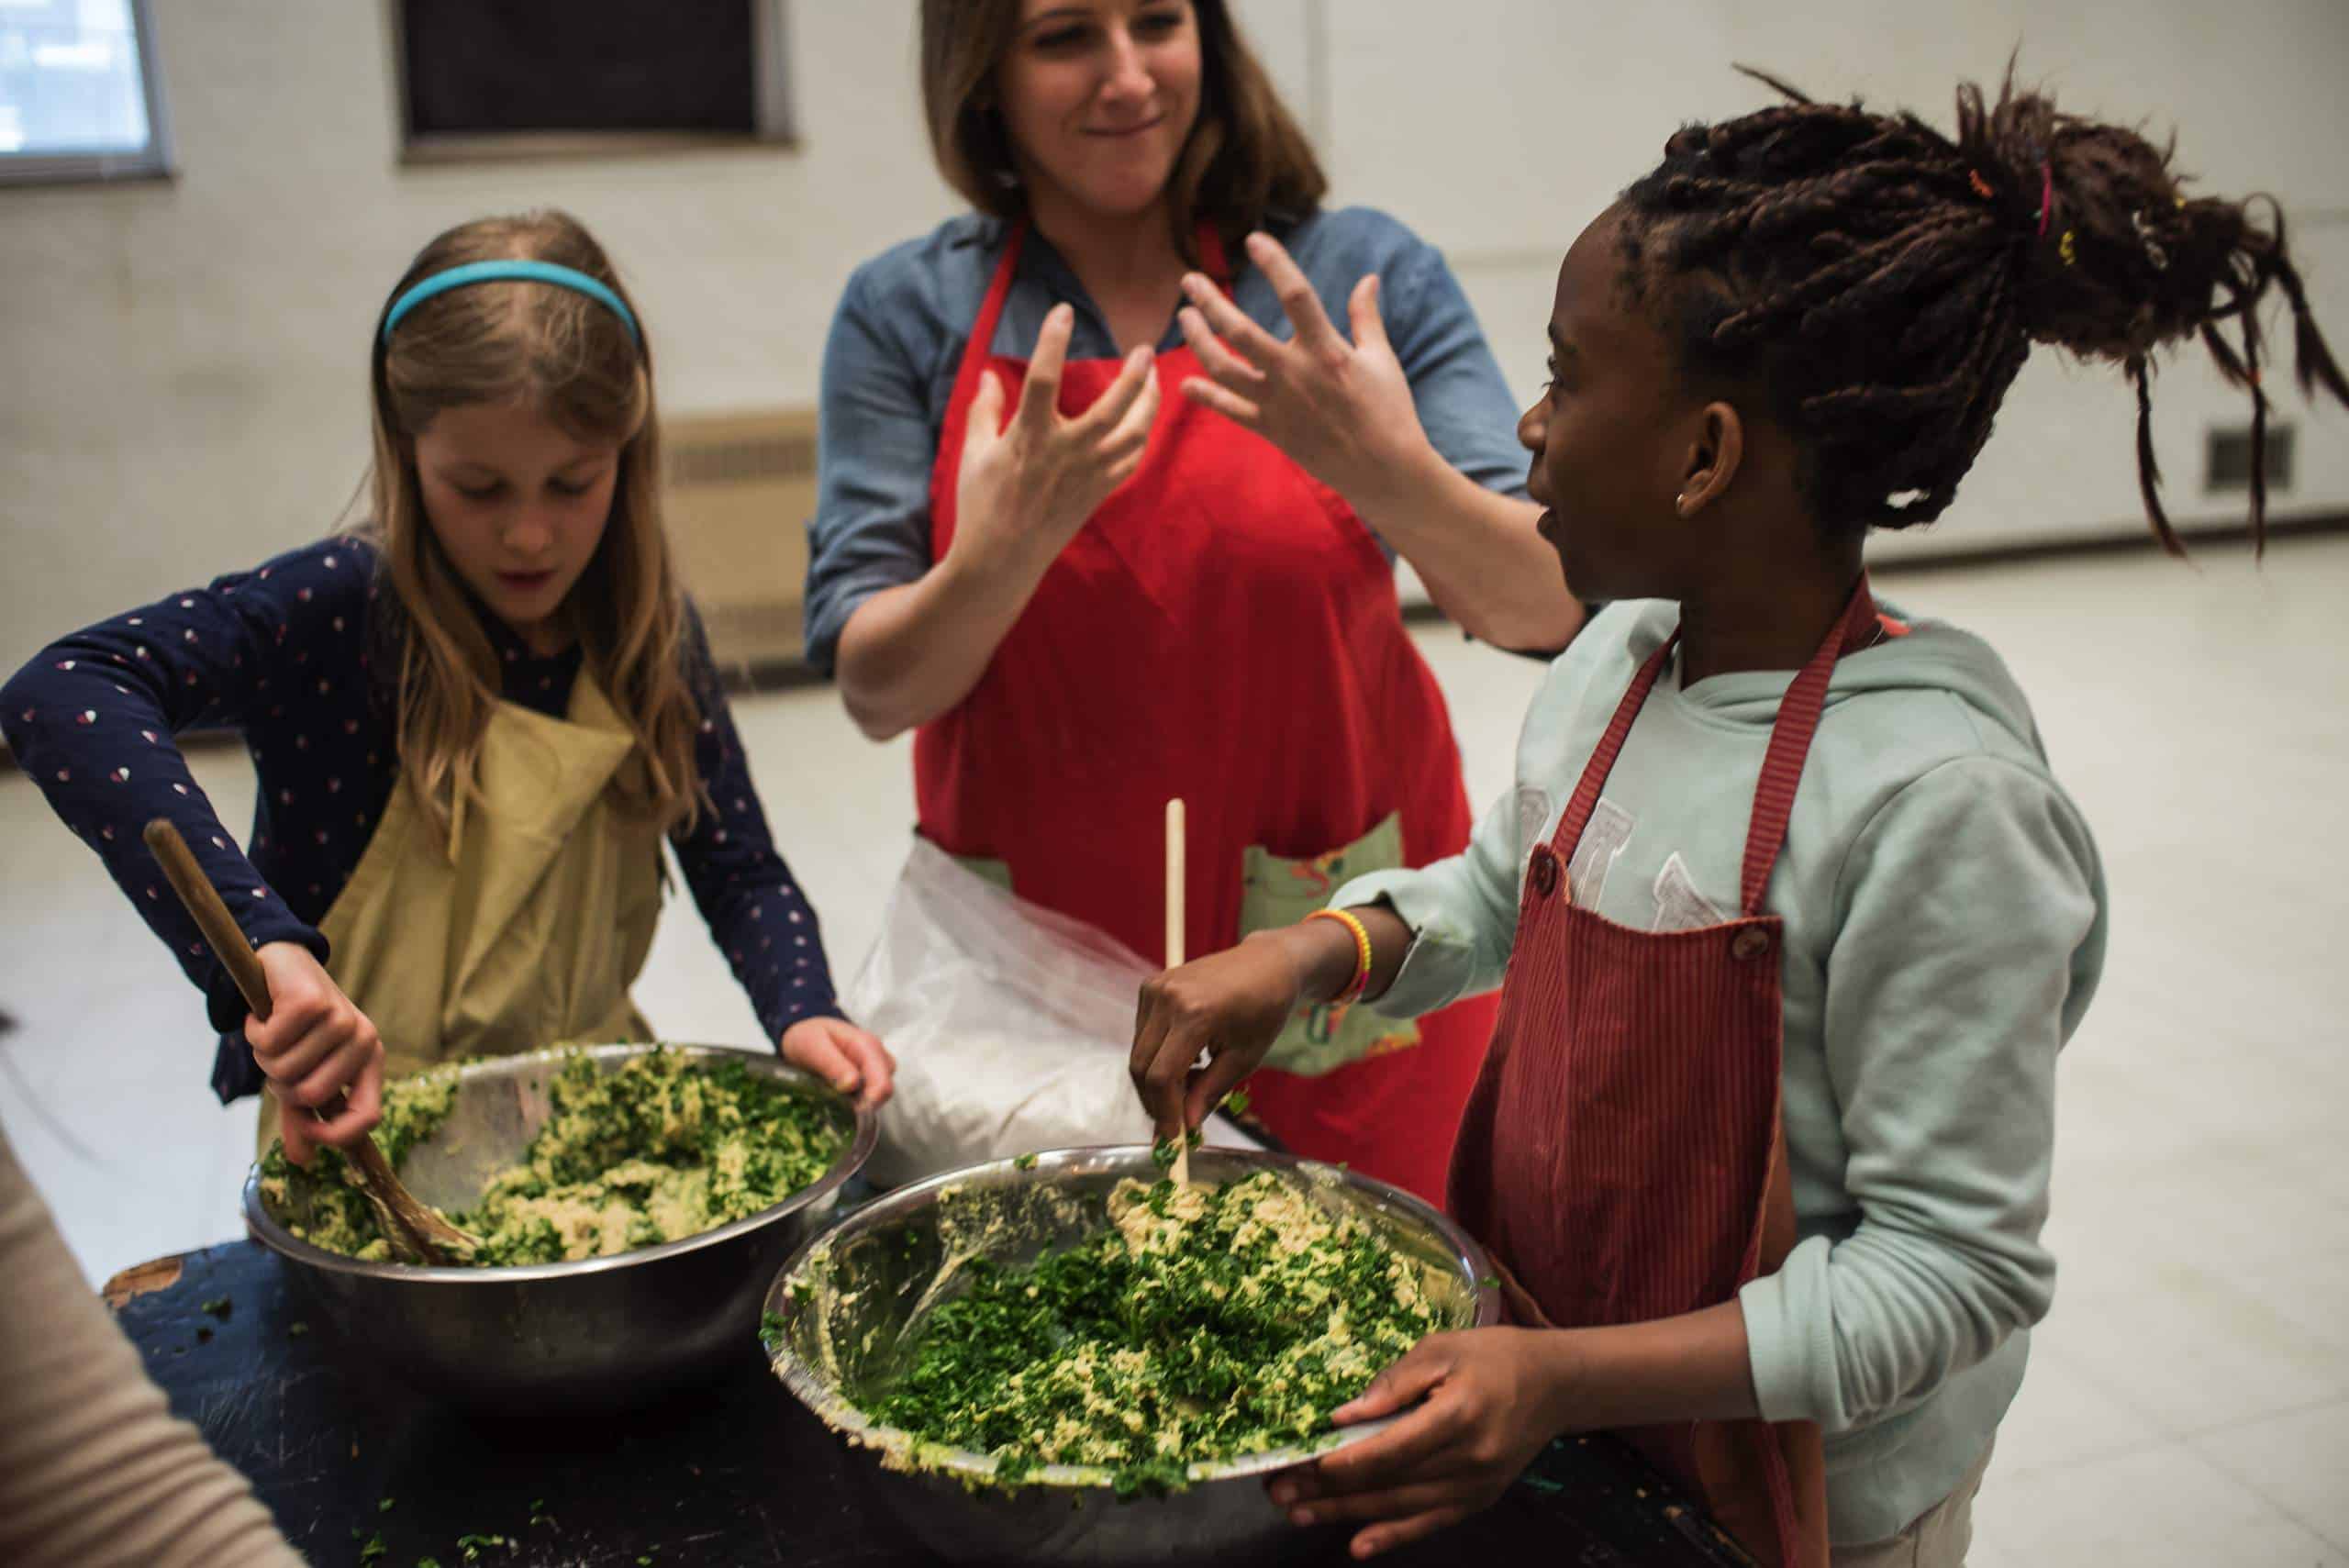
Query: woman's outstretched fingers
[(1134, 381), (1230, 323), (1041, 391), (1299, 298), (1229, 403), (1362, 311), (984, 425), (1131, 431), (1228, 368)]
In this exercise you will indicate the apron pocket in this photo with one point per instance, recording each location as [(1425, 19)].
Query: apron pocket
[(1276, 891)]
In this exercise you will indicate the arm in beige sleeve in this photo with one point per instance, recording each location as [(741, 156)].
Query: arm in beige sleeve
[(93, 1468)]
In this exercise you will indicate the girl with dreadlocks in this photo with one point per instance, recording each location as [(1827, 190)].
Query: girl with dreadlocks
[(1792, 913)]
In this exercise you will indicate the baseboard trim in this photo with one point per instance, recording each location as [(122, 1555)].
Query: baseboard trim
[(780, 673), (2197, 536)]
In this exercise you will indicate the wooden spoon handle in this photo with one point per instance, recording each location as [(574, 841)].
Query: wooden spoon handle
[(210, 913), (1177, 845), (415, 1230)]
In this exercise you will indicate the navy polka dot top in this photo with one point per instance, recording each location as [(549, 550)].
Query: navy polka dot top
[(282, 655)]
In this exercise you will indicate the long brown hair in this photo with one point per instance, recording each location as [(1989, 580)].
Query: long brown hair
[(1885, 282), (576, 361), (1246, 159)]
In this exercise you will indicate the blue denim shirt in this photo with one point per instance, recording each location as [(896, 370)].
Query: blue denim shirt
[(898, 340)]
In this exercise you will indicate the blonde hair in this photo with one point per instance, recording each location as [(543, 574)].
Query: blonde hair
[(575, 360), (1246, 157)]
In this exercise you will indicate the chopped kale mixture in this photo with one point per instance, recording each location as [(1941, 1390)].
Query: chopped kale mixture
[(1205, 1325), (660, 1149)]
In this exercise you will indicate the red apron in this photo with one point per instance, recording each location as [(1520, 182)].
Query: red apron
[(1223, 630), (1623, 1155)]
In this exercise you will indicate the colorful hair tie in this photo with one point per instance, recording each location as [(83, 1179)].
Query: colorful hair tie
[(2069, 254), (514, 270), (2047, 194), (1981, 186)]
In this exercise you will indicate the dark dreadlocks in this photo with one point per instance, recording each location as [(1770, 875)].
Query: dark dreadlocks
[(1882, 284)]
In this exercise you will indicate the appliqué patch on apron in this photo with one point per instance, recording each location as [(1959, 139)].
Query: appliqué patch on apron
[(1678, 906), (1532, 827), (1609, 829)]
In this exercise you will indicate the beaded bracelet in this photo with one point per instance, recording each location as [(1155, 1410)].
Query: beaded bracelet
[(1361, 981)]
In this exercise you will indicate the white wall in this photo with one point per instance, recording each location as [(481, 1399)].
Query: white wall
[(1546, 108), (185, 361), (188, 362)]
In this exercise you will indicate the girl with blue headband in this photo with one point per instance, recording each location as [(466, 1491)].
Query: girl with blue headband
[(475, 719)]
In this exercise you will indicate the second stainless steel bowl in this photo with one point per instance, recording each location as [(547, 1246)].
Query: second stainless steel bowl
[(601, 1332), (851, 1300)]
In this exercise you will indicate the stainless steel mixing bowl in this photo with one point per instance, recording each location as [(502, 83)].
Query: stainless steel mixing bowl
[(851, 1299), (594, 1334)]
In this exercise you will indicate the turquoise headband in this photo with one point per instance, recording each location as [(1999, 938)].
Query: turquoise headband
[(497, 272)]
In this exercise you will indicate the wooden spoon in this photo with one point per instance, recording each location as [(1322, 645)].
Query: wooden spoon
[(1174, 843), (416, 1232)]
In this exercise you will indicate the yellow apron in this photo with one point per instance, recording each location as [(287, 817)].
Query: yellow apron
[(533, 929)]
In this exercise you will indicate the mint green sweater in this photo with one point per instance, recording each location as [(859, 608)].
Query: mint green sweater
[(1944, 916)]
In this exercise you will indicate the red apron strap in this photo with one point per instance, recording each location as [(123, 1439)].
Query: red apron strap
[(1602, 760), (981, 346), (1799, 711)]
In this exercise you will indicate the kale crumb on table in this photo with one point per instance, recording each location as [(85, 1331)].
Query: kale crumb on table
[(1205, 1324), (659, 1148)]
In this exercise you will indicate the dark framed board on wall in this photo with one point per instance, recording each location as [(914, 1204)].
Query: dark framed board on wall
[(485, 79)]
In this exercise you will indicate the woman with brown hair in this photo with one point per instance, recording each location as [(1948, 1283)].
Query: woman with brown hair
[(1093, 581), (475, 720)]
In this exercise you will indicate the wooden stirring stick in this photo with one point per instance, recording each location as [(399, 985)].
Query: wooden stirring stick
[(1175, 841), (417, 1234)]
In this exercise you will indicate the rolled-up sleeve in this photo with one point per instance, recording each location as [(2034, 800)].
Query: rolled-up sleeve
[(876, 441)]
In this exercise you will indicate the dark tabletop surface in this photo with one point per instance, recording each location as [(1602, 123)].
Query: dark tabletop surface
[(737, 1473)]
